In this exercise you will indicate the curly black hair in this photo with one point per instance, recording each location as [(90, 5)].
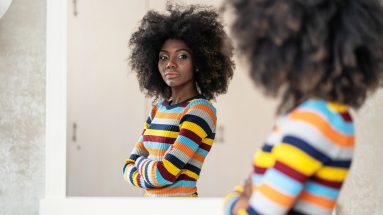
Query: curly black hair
[(328, 49), (199, 27)]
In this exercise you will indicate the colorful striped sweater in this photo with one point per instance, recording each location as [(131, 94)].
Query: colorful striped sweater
[(167, 159), (304, 162)]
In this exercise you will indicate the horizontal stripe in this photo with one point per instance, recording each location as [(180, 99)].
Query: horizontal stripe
[(296, 159), (318, 200), (161, 133), (332, 184), (334, 118), (159, 139), (166, 115), (306, 147), (174, 128), (196, 124), (173, 164), (156, 145), (308, 208), (292, 173), (265, 205), (276, 196), (190, 134), (172, 190), (205, 146), (267, 148), (282, 182), (321, 190), (192, 168), (263, 159), (332, 173), (322, 125), (340, 163)]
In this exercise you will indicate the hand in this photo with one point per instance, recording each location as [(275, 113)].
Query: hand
[(244, 197)]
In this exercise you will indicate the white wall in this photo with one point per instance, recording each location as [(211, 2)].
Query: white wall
[(22, 107)]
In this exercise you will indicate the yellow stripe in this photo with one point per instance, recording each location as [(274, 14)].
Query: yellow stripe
[(296, 158), (208, 141), (162, 133), (263, 159), (332, 173), (190, 174), (337, 107), (171, 168), (194, 128), (230, 196), (242, 212), (135, 182)]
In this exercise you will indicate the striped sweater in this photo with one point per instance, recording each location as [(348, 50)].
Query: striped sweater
[(167, 159), (304, 162)]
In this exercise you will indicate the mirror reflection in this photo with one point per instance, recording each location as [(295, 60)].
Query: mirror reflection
[(106, 109)]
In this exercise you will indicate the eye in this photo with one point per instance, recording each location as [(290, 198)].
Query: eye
[(182, 56), (163, 57)]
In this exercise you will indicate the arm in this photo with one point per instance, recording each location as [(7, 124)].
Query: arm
[(129, 171), (298, 156), (196, 126)]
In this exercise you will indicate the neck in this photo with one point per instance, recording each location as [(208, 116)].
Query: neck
[(183, 94)]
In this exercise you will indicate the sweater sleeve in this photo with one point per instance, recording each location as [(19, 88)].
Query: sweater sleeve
[(299, 155), (197, 126), (129, 171)]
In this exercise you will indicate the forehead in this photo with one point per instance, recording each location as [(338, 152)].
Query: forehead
[(174, 45)]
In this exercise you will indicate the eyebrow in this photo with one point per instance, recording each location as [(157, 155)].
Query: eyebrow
[(178, 50)]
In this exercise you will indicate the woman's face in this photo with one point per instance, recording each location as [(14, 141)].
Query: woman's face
[(175, 64)]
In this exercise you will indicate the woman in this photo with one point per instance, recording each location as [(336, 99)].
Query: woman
[(182, 59), (324, 57)]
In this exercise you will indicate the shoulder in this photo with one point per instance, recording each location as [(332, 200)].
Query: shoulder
[(201, 104)]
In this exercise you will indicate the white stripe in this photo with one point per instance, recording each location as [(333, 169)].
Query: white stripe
[(308, 208)]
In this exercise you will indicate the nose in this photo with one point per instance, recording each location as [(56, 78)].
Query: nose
[(170, 64)]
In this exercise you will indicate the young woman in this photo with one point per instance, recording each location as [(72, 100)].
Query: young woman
[(182, 59), (324, 57)]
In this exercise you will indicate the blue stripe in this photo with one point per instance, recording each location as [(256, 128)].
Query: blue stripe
[(148, 120), (318, 189), (256, 178), (131, 175), (175, 161), (156, 145), (161, 181), (252, 211), (147, 171), (340, 163), (165, 127), (267, 148), (306, 147), (336, 120), (188, 142), (197, 120), (202, 152), (184, 184), (192, 168), (230, 204), (134, 156), (280, 181)]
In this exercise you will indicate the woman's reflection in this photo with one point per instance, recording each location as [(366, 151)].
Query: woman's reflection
[(182, 59)]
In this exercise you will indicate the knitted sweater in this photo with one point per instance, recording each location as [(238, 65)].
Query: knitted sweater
[(167, 158), (304, 162)]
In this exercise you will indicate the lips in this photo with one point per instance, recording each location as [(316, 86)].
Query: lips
[(171, 75)]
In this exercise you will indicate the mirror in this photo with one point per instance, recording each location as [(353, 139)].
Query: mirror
[(106, 110), (4, 5)]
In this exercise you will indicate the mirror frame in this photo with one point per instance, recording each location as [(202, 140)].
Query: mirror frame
[(55, 200)]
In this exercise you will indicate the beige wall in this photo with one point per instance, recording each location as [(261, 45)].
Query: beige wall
[(22, 100)]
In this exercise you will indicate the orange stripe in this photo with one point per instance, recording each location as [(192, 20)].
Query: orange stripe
[(276, 196), (208, 110), (156, 152), (140, 145), (318, 200), (184, 148), (324, 127), (171, 190), (153, 176), (199, 157), (168, 115)]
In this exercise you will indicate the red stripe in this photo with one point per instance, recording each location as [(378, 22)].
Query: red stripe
[(292, 173), (139, 180), (191, 135), (332, 184), (159, 139), (346, 116), (164, 172), (205, 146), (259, 170)]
